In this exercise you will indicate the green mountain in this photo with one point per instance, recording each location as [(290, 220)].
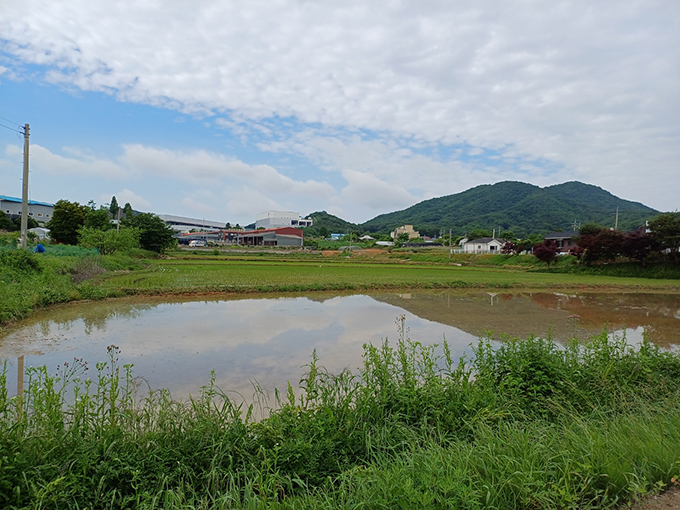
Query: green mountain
[(333, 224), (517, 206)]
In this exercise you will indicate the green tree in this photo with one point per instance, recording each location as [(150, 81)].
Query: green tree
[(228, 226), (113, 207), (98, 219), (323, 232), (5, 222), (30, 223), (154, 234), (507, 235), (127, 211), (478, 233), (67, 219), (590, 229), (665, 231), (109, 241)]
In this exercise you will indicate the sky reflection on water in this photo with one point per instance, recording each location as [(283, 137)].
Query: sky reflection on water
[(176, 344)]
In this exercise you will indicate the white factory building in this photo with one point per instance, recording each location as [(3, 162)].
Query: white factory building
[(276, 219), (182, 224)]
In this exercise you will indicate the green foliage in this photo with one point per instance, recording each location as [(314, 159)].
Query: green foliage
[(14, 225), (5, 222), (516, 206), (154, 234), (588, 229), (113, 207), (67, 219), (9, 238), (665, 230), (127, 211), (526, 424), (331, 224), (98, 219), (28, 281), (478, 233), (110, 241)]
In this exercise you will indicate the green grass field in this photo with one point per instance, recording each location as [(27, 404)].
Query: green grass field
[(186, 276)]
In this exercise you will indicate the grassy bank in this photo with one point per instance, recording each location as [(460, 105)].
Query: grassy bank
[(29, 280), (187, 276), (526, 425)]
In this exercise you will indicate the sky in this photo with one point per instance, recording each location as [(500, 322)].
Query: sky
[(225, 109)]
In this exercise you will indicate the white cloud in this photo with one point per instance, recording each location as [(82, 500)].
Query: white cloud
[(210, 168), (79, 165), (589, 87), (126, 196)]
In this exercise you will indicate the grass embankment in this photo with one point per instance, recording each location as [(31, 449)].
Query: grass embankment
[(29, 280), (186, 276), (528, 425)]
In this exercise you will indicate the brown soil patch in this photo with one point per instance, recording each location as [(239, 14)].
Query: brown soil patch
[(669, 500)]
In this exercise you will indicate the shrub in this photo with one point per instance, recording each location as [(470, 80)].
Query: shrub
[(110, 241)]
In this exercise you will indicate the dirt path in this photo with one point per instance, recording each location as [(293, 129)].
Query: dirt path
[(669, 500)]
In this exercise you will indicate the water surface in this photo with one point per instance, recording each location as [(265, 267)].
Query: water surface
[(175, 344)]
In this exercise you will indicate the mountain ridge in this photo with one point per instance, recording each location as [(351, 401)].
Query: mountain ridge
[(520, 207)]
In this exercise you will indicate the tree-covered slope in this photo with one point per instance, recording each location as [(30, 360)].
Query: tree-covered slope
[(332, 223), (520, 207)]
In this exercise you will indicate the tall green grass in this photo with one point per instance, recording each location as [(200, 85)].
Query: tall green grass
[(527, 424), (29, 280)]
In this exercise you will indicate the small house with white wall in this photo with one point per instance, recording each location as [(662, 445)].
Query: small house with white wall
[(484, 245)]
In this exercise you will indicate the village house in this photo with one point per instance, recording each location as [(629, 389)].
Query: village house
[(483, 245), (564, 240), (405, 229)]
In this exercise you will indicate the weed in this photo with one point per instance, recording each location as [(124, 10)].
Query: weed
[(525, 424)]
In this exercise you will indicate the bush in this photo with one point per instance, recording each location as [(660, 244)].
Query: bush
[(110, 241)]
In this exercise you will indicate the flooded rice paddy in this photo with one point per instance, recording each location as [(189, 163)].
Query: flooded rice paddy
[(265, 340)]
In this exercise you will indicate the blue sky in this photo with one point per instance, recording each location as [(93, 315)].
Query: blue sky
[(222, 110)]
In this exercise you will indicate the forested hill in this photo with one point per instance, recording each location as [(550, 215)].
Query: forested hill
[(520, 207), (333, 224)]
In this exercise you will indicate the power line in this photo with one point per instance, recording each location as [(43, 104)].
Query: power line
[(15, 129), (9, 120)]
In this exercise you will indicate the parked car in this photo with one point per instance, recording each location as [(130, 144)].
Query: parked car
[(197, 243)]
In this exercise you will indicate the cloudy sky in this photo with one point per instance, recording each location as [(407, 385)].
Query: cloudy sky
[(223, 109)]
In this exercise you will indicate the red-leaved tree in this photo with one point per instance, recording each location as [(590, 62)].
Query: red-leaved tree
[(546, 251)]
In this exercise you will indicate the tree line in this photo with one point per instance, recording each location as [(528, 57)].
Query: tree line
[(659, 241), (92, 227)]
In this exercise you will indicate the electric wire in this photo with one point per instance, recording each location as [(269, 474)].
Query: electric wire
[(16, 129), (10, 121)]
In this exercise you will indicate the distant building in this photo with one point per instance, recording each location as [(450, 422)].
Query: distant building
[(39, 211), (283, 236), (275, 219), (483, 245), (565, 241), (182, 224), (405, 229)]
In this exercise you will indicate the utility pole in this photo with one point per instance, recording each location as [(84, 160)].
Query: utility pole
[(616, 224), (24, 192)]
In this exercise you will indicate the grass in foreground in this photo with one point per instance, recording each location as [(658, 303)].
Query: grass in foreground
[(525, 425)]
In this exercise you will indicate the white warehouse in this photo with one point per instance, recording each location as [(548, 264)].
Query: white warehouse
[(275, 219)]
